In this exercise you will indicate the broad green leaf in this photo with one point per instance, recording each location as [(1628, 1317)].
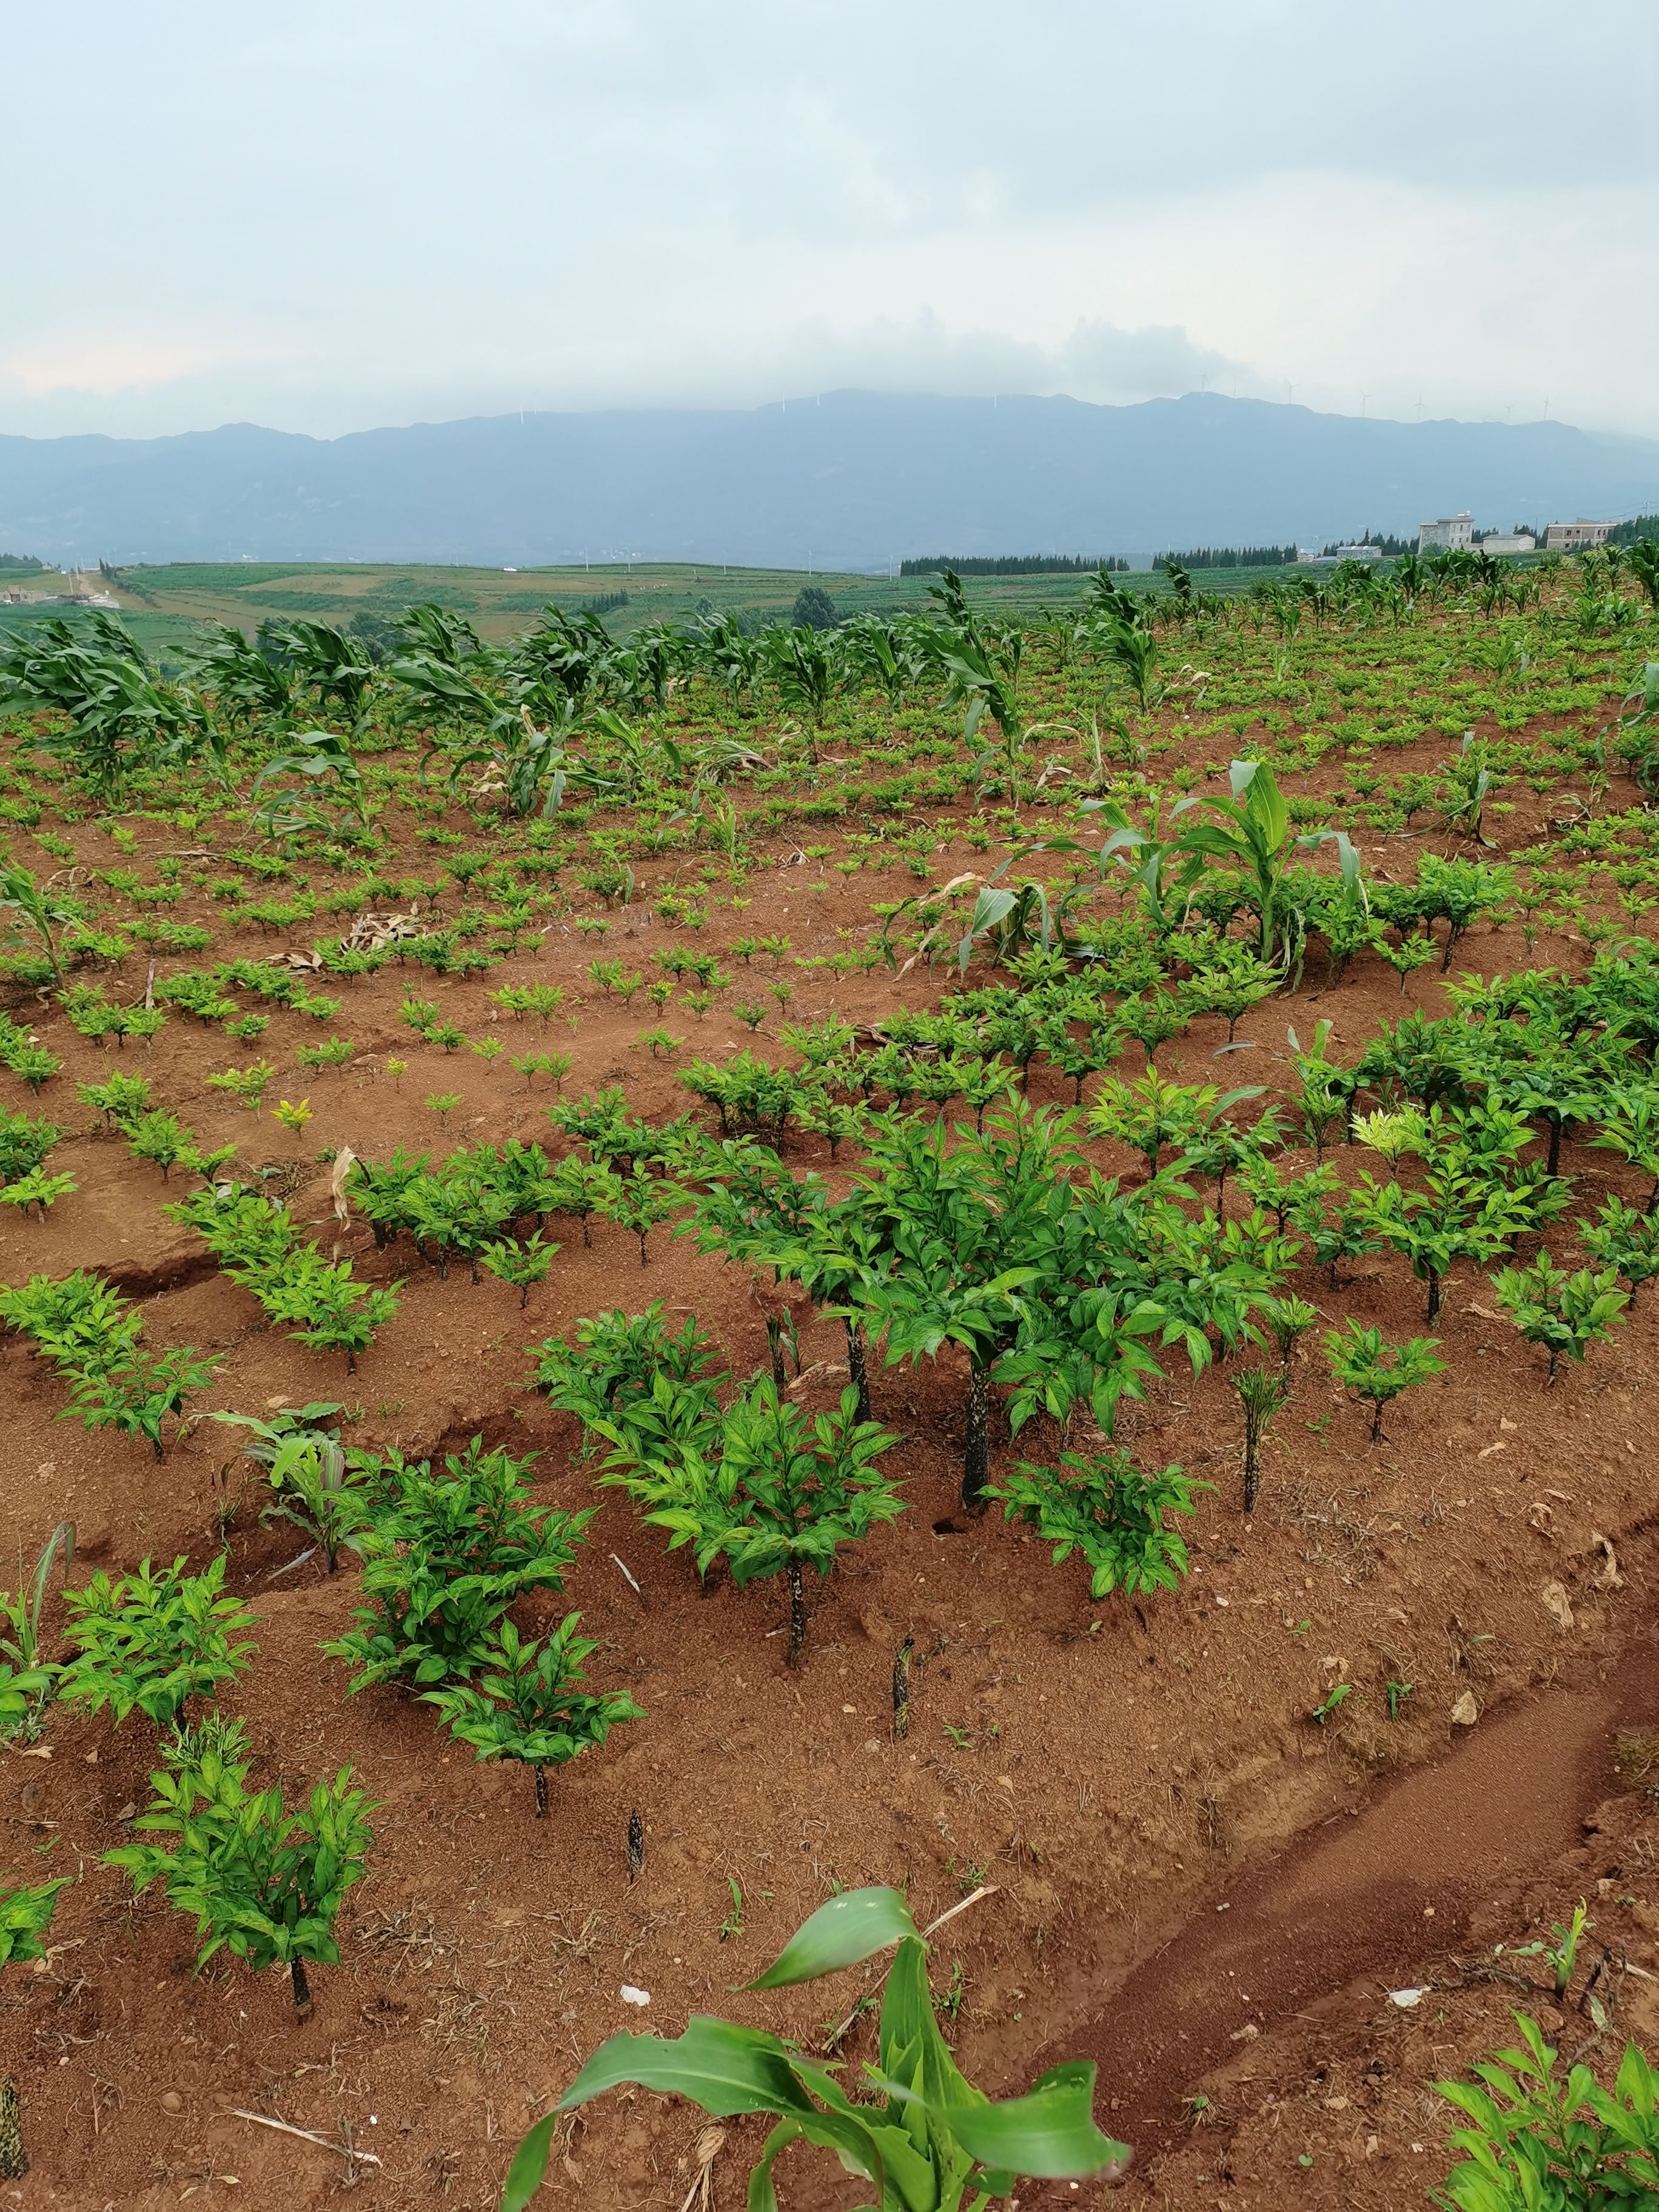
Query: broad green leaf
[(910, 2034), (1049, 2133), (722, 2067), (524, 2176), (847, 1931), (762, 2197), (851, 2141), (991, 908)]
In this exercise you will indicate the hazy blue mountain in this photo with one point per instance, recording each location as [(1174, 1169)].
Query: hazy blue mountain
[(853, 480)]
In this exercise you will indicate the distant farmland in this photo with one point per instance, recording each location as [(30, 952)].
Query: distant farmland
[(161, 604)]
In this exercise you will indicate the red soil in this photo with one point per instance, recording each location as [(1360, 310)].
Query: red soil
[(1115, 1770)]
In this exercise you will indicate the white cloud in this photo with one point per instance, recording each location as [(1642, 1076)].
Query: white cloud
[(326, 218)]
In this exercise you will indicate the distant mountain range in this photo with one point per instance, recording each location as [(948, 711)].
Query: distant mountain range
[(853, 480)]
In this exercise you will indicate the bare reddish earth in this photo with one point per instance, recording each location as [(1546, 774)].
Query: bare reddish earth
[(1106, 1779)]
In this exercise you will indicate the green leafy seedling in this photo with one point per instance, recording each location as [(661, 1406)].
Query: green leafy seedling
[(260, 1881), (1103, 1507), (523, 1702), (151, 1641), (26, 1914), (1563, 1954), (732, 1924), (1534, 2135), (522, 1265), (1564, 1311), (1360, 1361)]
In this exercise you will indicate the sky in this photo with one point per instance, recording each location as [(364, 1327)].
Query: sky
[(325, 217)]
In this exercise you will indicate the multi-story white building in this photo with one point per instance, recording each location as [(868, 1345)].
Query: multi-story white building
[(1574, 537), (1450, 532)]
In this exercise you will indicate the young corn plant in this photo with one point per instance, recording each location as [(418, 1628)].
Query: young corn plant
[(524, 1703), (1325, 1090), (1103, 1508), (263, 1882), (28, 1679), (1563, 1952), (1361, 1362), (1252, 835), (319, 1488), (1469, 783), (1564, 1312), (1151, 858), (35, 910), (933, 2140)]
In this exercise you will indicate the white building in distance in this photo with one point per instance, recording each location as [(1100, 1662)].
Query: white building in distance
[(1574, 537), (1307, 557), (1521, 543), (1451, 531)]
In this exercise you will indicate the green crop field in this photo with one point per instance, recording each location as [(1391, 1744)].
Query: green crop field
[(165, 606), (775, 1133)]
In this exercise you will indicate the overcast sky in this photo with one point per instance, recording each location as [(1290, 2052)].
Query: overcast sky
[(329, 215)]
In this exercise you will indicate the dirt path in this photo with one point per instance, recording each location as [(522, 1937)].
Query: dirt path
[(1368, 1893)]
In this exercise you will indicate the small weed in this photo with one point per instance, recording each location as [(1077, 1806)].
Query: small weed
[(732, 1924)]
